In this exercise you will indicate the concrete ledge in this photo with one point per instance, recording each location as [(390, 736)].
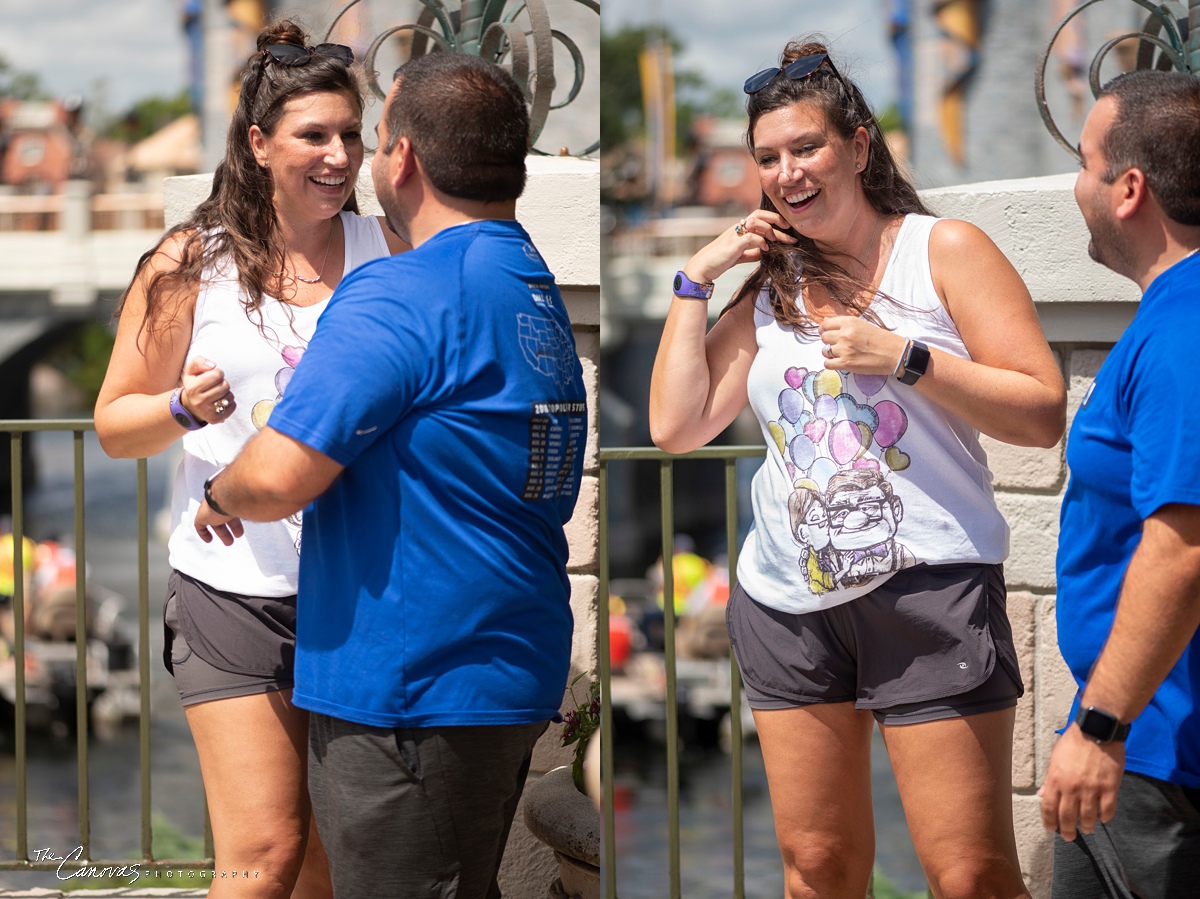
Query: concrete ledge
[(562, 817)]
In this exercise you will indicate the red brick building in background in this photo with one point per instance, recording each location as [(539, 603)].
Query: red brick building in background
[(40, 144)]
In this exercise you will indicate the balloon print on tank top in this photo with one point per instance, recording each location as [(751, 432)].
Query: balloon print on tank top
[(838, 454)]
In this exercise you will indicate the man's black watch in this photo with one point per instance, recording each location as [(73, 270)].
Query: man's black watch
[(1101, 726), (208, 497)]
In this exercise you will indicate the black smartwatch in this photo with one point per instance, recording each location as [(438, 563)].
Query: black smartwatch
[(208, 497), (1101, 726), (913, 363), (686, 287)]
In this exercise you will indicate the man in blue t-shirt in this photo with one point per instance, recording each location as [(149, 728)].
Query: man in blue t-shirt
[(437, 424), (1123, 785)]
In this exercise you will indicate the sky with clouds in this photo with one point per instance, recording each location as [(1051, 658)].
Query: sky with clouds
[(135, 46), (729, 40)]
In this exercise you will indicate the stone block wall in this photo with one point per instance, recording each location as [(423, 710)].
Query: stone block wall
[(1083, 307)]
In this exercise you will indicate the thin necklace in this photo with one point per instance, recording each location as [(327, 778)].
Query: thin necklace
[(870, 240), (321, 273)]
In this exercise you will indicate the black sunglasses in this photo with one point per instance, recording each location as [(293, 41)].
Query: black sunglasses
[(801, 68), (295, 55)]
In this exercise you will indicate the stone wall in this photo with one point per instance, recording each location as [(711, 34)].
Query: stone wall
[(1083, 307)]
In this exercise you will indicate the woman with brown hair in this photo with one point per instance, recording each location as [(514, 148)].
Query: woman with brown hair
[(217, 316), (874, 343)]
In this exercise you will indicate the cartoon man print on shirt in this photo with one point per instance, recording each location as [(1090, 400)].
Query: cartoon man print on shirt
[(864, 515), (843, 512)]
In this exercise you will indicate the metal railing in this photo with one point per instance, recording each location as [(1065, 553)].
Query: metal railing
[(729, 455), (17, 431)]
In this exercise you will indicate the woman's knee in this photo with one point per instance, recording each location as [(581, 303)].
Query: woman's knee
[(816, 867), (273, 853), (980, 877)]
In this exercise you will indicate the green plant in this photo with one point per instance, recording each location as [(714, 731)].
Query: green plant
[(884, 888), (579, 724)]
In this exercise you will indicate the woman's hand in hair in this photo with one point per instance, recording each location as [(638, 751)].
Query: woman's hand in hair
[(759, 230), (855, 345)]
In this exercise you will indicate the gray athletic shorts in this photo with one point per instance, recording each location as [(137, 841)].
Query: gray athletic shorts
[(219, 645), (416, 812), (931, 642), (1150, 850)]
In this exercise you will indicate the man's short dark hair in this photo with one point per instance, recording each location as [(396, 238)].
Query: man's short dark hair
[(467, 122), (1157, 130)]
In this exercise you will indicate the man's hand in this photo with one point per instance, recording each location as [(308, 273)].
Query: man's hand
[(1081, 783), (225, 527)]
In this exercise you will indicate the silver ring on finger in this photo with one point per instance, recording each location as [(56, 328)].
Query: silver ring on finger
[(740, 228), (827, 351), (220, 406)]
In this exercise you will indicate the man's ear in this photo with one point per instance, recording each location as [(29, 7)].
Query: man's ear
[(1131, 192), (402, 163)]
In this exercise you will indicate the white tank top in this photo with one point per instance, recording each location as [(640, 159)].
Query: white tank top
[(864, 475), (258, 363)]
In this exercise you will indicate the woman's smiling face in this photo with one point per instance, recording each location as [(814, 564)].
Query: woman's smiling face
[(314, 154), (807, 170)]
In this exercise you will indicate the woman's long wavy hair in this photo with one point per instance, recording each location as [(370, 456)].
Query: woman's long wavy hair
[(238, 221), (784, 268)]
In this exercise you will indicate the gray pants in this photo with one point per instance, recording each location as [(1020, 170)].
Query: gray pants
[(416, 813), (1149, 850)]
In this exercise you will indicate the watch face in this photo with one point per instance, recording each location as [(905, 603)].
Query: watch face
[(678, 283), (1100, 726)]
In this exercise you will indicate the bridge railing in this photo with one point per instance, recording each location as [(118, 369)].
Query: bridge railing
[(100, 212), (18, 431), (729, 455)]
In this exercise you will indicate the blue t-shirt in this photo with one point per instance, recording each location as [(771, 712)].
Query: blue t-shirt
[(433, 583), (1131, 451)]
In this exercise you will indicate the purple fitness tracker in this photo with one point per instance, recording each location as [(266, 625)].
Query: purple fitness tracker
[(182, 415), (686, 287)]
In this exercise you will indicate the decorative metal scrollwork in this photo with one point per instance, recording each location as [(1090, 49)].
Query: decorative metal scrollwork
[(1167, 41), (484, 28)]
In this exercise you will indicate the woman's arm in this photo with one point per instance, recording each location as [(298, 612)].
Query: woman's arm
[(698, 385), (133, 417), (1011, 388)]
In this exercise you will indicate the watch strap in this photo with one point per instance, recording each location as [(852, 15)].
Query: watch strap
[(686, 287), (182, 415), (208, 497)]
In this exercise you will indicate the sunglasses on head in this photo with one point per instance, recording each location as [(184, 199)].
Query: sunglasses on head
[(295, 55), (801, 68)]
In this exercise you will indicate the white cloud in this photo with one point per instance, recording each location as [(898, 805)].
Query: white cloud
[(135, 46)]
